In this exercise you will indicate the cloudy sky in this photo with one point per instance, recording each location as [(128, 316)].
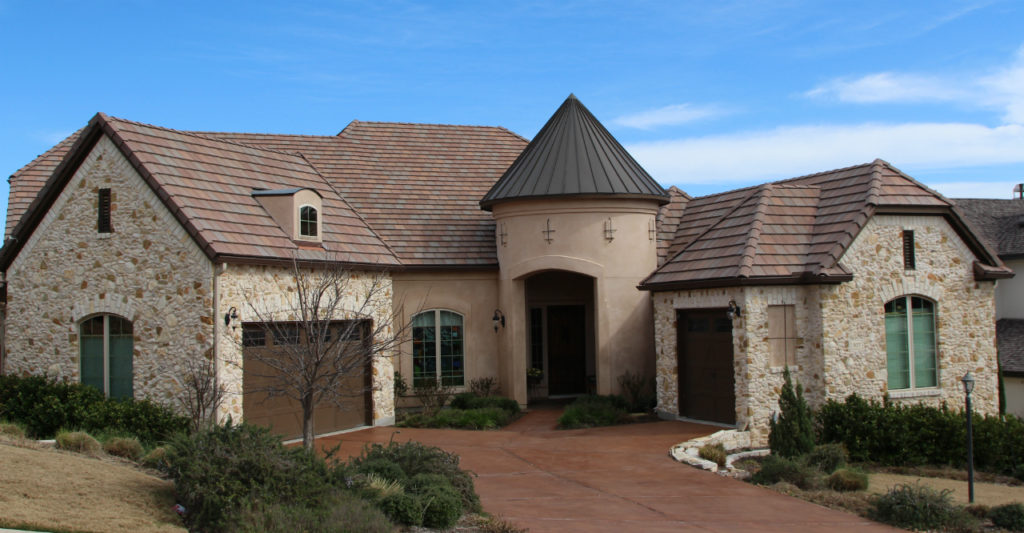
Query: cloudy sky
[(708, 96)]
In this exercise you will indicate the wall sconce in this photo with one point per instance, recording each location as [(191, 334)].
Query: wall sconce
[(734, 310), (499, 319), (230, 316)]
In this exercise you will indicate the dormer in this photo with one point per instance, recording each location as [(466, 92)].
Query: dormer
[(298, 211)]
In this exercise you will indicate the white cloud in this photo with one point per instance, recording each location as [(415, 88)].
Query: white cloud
[(976, 189), (668, 116), (796, 150), (1005, 88), (889, 87)]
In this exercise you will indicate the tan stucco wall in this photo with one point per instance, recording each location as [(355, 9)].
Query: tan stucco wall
[(472, 294), (841, 330), (622, 314), (1014, 389), (1010, 292), (148, 270), (269, 291)]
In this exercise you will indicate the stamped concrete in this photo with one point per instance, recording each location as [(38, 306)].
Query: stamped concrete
[(611, 479)]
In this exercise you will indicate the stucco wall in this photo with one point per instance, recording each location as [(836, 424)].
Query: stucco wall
[(148, 271), (269, 291), (1010, 294), (1014, 388), (841, 330)]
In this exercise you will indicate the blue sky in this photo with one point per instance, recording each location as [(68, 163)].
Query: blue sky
[(708, 96)]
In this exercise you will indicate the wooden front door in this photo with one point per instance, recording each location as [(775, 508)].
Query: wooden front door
[(567, 349), (706, 375)]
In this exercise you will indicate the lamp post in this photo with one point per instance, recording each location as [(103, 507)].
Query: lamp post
[(968, 381)]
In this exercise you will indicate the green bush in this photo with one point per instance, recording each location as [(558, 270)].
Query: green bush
[(44, 406), (792, 434), (593, 411), (126, 447), (469, 400), (403, 508), (340, 513), (919, 507), (775, 469), (441, 503), (827, 457), (78, 441), (416, 458), (1009, 516), (156, 458), (485, 387), (714, 452), (847, 480), (221, 470), (382, 467)]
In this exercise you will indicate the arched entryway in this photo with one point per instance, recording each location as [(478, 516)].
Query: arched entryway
[(560, 315)]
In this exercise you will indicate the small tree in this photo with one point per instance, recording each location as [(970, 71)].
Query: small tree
[(792, 433), (330, 334), (202, 395)]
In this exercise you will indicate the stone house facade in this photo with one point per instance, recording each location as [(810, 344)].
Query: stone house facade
[(133, 249)]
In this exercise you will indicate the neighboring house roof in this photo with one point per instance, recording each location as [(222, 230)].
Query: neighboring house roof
[(27, 181), (999, 222), (1010, 339), (796, 231), (574, 155)]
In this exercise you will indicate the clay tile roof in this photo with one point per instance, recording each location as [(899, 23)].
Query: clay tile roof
[(1010, 339), (668, 220), (29, 180), (1000, 223), (574, 155), (795, 230)]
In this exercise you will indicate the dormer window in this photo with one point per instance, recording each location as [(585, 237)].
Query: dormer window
[(308, 221)]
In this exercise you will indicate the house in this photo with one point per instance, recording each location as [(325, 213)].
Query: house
[(1000, 223), (132, 248)]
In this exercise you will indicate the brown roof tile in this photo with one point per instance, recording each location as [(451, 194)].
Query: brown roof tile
[(29, 180)]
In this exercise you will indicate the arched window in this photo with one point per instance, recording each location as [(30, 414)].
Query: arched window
[(438, 341), (106, 355), (307, 221), (910, 343)]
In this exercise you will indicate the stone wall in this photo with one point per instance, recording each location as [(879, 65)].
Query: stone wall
[(269, 292), (841, 329), (147, 270)]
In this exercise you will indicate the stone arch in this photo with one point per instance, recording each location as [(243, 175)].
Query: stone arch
[(85, 307)]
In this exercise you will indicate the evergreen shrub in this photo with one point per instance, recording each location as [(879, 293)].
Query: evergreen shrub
[(792, 434)]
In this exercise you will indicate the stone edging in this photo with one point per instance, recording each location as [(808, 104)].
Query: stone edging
[(689, 452)]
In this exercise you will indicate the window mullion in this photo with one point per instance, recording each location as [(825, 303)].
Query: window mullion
[(910, 341), (106, 355)]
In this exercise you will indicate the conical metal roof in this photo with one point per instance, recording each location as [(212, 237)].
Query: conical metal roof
[(574, 155)]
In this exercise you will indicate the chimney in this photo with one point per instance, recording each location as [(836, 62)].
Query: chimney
[(1018, 191)]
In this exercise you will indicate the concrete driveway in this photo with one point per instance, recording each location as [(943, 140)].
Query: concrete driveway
[(615, 479)]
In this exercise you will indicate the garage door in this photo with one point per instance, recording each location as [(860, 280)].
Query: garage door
[(265, 344), (706, 375)]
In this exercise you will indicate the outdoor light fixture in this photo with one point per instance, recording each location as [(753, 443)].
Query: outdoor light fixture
[(232, 314), (968, 381), (499, 319), (734, 310)]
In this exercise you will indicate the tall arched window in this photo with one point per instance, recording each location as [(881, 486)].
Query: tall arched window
[(106, 355), (438, 341), (910, 343), (307, 221)]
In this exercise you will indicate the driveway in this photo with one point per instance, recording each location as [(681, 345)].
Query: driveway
[(611, 479)]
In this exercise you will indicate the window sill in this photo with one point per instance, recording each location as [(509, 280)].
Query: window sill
[(781, 369), (914, 393)]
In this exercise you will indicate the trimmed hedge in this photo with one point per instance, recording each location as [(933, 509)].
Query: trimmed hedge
[(593, 411), (45, 406), (910, 435), (469, 400)]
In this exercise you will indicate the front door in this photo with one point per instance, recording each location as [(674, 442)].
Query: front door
[(567, 349), (706, 376)]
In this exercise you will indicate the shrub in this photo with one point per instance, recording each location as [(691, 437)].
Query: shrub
[(792, 435), (638, 391), (339, 513), (827, 457), (593, 410), (416, 458), (403, 508), (484, 387), (441, 503), (978, 510), (1009, 516), (126, 447), (220, 470), (847, 480), (382, 467), (78, 441), (714, 452), (918, 507), (156, 458), (8, 429), (383, 487), (469, 400), (775, 469)]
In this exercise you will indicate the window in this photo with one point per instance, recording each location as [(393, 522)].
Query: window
[(103, 212), (437, 348), (908, 250), (782, 335), (307, 221), (254, 335), (106, 355), (910, 343)]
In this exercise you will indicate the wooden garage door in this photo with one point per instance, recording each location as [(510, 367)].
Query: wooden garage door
[(706, 375), (284, 415)]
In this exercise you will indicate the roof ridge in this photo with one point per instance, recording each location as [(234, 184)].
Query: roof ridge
[(756, 227), (785, 181)]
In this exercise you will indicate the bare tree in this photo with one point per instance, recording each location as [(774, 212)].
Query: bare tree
[(337, 324), (202, 394)]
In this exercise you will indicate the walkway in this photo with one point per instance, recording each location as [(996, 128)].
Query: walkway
[(616, 479)]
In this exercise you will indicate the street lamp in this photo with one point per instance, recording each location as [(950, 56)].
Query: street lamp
[(968, 381)]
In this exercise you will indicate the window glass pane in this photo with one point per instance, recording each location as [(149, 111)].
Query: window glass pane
[(697, 324), (897, 348), (452, 371), (121, 347), (424, 349), (286, 335), (254, 336), (307, 221), (91, 352), (925, 374)]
